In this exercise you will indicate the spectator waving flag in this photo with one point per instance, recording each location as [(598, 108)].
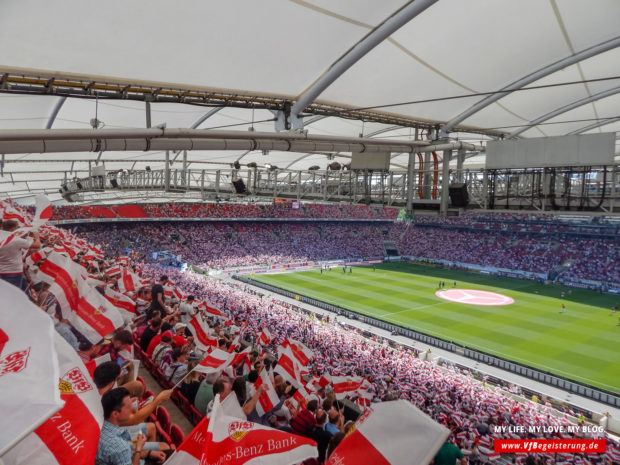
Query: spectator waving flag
[(43, 211), (288, 367), (268, 399), (122, 303), (94, 317), (70, 436), (212, 311), (264, 337), (302, 353), (128, 281), (201, 332), (28, 367), (345, 385), (59, 272), (231, 441), (216, 361), (391, 433), (238, 357)]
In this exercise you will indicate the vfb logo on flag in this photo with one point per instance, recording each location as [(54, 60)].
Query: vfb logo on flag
[(238, 429), (15, 362), (74, 382)]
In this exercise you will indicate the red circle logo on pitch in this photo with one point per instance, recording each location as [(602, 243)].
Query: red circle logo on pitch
[(474, 297)]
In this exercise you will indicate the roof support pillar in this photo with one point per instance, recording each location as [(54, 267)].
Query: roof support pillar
[(445, 183), (410, 178), (460, 159), (355, 53)]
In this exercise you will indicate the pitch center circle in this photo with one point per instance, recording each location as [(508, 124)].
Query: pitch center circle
[(474, 297)]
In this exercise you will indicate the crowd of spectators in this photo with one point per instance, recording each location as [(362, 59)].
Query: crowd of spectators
[(448, 394), (236, 244), (227, 245), (161, 297), (226, 210)]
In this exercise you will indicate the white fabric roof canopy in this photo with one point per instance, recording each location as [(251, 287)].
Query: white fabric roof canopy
[(443, 61)]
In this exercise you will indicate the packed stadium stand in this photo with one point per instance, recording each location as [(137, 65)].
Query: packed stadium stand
[(233, 317), (164, 166)]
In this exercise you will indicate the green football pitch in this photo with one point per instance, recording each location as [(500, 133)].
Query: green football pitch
[(582, 343)]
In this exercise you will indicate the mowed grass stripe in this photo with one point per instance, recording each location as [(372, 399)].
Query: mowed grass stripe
[(581, 343)]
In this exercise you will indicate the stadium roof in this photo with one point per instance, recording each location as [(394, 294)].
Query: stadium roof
[(471, 70)]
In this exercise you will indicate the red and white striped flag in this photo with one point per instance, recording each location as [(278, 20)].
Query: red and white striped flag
[(288, 367), (43, 211), (302, 353), (345, 385), (301, 395), (264, 337), (113, 271), (58, 272), (128, 281), (94, 317), (201, 331), (122, 303), (231, 441), (391, 433), (319, 382), (212, 311), (70, 436), (268, 399), (216, 361), (122, 260), (28, 367), (238, 357)]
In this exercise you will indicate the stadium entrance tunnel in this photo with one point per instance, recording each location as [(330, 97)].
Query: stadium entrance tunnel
[(474, 297)]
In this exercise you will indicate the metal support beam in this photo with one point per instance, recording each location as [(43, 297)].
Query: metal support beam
[(564, 109), (460, 159), (427, 178), (359, 50), (167, 172), (50, 121), (445, 183), (595, 125), (526, 80), (410, 178), (148, 114), (612, 196)]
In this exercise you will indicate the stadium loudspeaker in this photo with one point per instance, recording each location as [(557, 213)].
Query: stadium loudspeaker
[(114, 183), (458, 195), (239, 186)]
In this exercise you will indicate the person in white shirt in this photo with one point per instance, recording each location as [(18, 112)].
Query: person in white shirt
[(11, 261), (187, 310)]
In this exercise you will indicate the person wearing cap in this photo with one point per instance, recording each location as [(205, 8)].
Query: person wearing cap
[(179, 329), (155, 342)]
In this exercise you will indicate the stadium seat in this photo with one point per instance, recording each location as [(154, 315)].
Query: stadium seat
[(149, 365), (176, 434), (182, 403), (141, 380), (196, 416), (163, 418)]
